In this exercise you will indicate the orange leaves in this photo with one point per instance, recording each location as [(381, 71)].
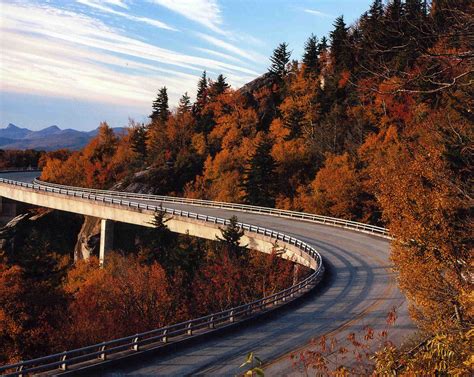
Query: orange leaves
[(31, 313), (121, 299), (335, 189), (344, 78), (415, 174)]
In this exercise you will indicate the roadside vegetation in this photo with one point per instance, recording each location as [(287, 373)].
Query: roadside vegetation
[(373, 124)]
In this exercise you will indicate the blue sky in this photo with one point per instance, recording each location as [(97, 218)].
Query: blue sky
[(77, 63)]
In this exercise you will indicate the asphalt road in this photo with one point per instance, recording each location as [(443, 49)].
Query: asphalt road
[(359, 291)]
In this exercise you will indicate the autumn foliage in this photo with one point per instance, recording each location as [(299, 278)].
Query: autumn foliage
[(376, 127)]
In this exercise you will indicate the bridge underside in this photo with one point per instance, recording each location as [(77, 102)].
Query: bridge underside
[(110, 212)]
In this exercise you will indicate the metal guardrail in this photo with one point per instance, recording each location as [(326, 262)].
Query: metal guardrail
[(20, 170), (94, 354), (326, 220)]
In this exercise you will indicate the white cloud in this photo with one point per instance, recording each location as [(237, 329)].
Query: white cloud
[(204, 12), (61, 53), (316, 13), (150, 21), (118, 3), (220, 55), (255, 57)]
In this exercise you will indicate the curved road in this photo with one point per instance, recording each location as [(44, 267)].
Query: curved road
[(359, 290)]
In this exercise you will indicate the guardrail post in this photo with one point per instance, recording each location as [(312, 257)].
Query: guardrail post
[(19, 370), (63, 366), (211, 323), (165, 337), (102, 355), (135, 346), (231, 318), (190, 329)]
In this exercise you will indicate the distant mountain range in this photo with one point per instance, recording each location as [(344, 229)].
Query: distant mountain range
[(49, 138)]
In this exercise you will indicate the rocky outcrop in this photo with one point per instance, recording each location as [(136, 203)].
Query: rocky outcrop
[(40, 230), (138, 183), (266, 106), (88, 239)]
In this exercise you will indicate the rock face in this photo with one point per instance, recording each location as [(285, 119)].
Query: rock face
[(266, 108), (88, 239), (7, 233), (139, 183), (40, 229)]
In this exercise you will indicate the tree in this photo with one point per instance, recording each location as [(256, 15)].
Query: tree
[(311, 56), (31, 315), (202, 95), (160, 107), (218, 87), (231, 236), (184, 105), (336, 190), (124, 298), (161, 243), (138, 137), (340, 46), (323, 45), (259, 176), (280, 60)]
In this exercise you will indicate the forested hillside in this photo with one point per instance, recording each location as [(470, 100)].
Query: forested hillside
[(373, 123)]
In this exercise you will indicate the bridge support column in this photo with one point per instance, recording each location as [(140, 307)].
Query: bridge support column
[(106, 239)]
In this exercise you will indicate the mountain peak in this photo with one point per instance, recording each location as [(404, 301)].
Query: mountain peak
[(51, 128), (11, 126)]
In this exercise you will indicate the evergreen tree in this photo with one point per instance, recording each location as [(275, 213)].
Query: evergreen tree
[(138, 137), (218, 87), (323, 45), (259, 176), (311, 56), (340, 47), (161, 243), (204, 119), (160, 107), (184, 105), (280, 59), (202, 95), (231, 236), (369, 36)]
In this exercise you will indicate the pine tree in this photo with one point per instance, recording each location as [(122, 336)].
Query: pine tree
[(323, 45), (202, 95), (231, 236), (369, 36), (280, 59), (160, 107), (340, 47), (311, 56), (138, 137), (259, 176), (184, 105), (218, 87)]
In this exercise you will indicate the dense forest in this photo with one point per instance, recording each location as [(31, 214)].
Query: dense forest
[(373, 123), (19, 159), (49, 304)]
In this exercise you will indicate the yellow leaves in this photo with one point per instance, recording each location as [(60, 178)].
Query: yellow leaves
[(335, 189)]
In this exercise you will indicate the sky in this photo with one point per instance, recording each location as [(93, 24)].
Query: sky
[(77, 63)]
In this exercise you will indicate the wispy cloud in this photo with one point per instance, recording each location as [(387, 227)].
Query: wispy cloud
[(317, 13), (220, 55), (99, 5), (204, 12), (66, 54), (118, 3), (249, 55)]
